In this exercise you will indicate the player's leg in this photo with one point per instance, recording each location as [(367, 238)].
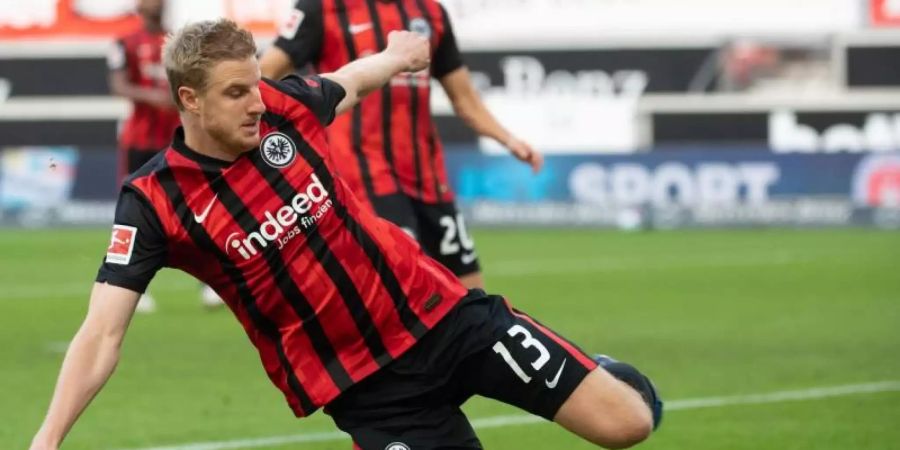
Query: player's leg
[(534, 368), (606, 411), (472, 280), (631, 376), (209, 298), (445, 237), (146, 304)]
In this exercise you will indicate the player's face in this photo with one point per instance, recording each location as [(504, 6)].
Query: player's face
[(231, 105)]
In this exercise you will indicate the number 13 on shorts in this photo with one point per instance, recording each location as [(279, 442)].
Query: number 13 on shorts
[(540, 352)]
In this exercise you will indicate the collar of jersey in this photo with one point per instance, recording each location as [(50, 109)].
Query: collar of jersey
[(180, 146)]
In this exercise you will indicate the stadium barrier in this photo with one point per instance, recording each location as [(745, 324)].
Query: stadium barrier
[(701, 187), (685, 188)]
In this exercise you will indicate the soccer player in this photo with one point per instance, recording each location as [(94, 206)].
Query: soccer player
[(136, 72), (388, 149), (344, 308)]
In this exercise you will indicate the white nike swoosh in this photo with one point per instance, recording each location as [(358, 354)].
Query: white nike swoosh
[(205, 212), (552, 384), (467, 258), (359, 27)]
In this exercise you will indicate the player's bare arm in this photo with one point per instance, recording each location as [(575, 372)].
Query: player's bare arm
[(120, 86), (406, 52), (275, 63), (471, 109), (90, 360)]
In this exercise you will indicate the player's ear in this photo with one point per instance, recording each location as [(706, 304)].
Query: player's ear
[(189, 99)]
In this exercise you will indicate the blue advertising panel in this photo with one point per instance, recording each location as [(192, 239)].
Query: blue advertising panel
[(700, 188), (50, 186), (53, 186)]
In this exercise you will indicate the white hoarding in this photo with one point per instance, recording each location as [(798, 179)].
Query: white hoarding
[(585, 23)]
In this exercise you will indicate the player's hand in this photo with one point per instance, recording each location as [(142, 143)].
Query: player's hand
[(412, 48), (525, 153)]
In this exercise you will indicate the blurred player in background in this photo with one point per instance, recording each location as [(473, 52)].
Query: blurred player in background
[(388, 148), (136, 72), (345, 309)]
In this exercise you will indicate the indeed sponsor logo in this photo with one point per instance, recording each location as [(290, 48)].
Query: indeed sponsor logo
[(880, 132), (286, 223)]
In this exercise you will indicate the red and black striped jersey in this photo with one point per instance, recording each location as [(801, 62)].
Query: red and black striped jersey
[(389, 142), (327, 292), (139, 54)]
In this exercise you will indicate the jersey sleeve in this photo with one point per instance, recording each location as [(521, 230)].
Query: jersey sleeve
[(300, 36), (116, 58), (137, 246), (446, 57), (319, 94)]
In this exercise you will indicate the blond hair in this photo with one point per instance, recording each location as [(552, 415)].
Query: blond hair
[(189, 53)]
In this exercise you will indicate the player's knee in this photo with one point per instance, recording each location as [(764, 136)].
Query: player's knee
[(632, 377), (607, 412), (472, 281), (633, 425), (623, 433), (625, 424)]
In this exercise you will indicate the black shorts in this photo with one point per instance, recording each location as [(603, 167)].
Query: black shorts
[(483, 347), (439, 228)]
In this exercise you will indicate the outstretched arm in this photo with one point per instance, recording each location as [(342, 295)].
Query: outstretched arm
[(90, 360), (472, 110), (406, 52)]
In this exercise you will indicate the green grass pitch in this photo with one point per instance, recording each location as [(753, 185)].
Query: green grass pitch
[(705, 313)]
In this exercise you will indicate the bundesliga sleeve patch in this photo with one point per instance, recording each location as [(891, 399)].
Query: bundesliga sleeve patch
[(121, 244), (290, 27)]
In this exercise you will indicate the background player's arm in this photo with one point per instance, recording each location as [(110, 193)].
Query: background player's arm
[(448, 68), (275, 63), (471, 109), (90, 360), (299, 41), (405, 52), (120, 85)]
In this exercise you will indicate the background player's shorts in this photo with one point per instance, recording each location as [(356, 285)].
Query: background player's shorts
[(482, 347), (439, 228)]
